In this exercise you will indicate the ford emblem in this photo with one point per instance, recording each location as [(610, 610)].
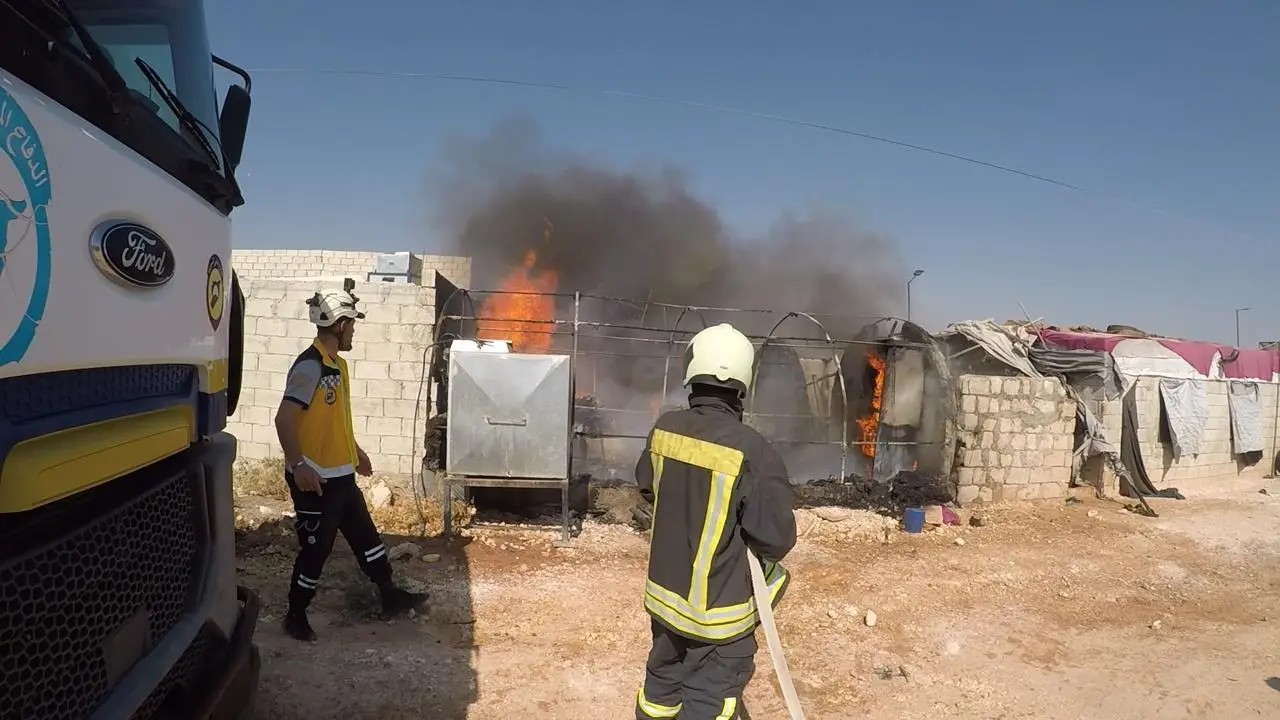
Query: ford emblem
[(130, 254)]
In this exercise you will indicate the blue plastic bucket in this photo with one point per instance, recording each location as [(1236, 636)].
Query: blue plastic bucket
[(913, 520)]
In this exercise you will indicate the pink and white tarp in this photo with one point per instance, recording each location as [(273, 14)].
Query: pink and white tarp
[(1165, 357)]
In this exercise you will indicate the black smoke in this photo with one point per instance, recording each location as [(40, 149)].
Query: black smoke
[(646, 236)]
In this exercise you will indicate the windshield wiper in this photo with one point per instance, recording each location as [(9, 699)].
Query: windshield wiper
[(188, 119), (98, 59)]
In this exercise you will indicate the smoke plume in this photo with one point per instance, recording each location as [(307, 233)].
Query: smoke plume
[(645, 235)]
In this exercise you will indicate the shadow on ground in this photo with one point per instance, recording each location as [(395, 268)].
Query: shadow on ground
[(404, 668)]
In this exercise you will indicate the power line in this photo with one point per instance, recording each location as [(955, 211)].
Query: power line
[(798, 122)]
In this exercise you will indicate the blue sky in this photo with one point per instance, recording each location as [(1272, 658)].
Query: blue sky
[(1166, 112)]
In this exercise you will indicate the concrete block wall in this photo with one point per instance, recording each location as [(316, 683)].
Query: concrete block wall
[(1015, 439), (388, 367), (356, 264), (1216, 458)]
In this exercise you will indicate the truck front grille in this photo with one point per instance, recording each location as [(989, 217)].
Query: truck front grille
[(135, 563)]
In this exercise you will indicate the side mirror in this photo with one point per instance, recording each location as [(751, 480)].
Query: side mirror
[(233, 124)]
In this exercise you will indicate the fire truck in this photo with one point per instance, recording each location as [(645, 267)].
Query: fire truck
[(120, 345)]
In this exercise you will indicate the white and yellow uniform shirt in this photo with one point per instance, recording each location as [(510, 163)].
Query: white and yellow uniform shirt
[(320, 384)]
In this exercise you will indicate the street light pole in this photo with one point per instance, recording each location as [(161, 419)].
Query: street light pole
[(910, 280), (1238, 311)]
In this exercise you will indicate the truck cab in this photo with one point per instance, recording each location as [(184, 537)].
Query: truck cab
[(121, 328)]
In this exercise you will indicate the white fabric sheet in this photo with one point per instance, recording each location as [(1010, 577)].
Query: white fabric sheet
[(1246, 417), (1186, 405)]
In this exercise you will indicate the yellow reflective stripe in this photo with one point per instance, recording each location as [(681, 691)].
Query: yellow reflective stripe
[(715, 624), (655, 460), (730, 709), (653, 709), (718, 500), (774, 575), (699, 453), (688, 627), (691, 615)]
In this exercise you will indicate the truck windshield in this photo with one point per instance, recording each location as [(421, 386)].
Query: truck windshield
[(171, 37)]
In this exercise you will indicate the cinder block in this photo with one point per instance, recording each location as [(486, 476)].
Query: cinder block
[(399, 408), (384, 389), (272, 327), (381, 352), (288, 347), (398, 445), (275, 380), (407, 371), (263, 434), (370, 370), (359, 426), (275, 363), (253, 451), (254, 416), (409, 334), (384, 426), (255, 343), (366, 406)]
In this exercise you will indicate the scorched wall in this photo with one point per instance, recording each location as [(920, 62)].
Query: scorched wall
[(1015, 439)]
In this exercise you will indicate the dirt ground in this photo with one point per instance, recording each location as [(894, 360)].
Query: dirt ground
[(1052, 610)]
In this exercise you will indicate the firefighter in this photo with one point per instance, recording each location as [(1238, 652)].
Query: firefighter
[(322, 459), (718, 490)]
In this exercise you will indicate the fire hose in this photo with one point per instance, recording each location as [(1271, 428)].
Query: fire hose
[(765, 608)]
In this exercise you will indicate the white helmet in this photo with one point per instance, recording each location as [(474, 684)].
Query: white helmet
[(328, 307), (720, 355)]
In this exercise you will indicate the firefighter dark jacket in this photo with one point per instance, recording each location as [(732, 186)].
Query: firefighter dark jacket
[(718, 489)]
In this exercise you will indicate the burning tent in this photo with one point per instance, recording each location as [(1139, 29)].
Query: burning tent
[(897, 403)]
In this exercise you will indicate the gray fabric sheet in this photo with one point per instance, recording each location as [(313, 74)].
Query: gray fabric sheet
[(1246, 417), (998, 343), (1186, 405)]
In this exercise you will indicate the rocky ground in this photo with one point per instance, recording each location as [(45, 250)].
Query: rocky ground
[(1053, 610)]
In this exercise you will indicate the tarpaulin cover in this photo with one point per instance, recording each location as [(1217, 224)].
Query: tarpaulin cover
[(1094, 440), (1249, 364), (1235, 363), (1186, 405), (1246, 418), (1069, 362), (998, 343), (1131, 455), (1198, 355)]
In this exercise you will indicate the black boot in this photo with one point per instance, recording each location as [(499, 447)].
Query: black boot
[(298, 627), (398, 601)]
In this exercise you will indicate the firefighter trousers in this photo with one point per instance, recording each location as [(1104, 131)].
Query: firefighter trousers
[(692, 680), (319, 519)]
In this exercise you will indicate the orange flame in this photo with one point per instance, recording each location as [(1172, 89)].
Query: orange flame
[(867, 425), (533, 336)]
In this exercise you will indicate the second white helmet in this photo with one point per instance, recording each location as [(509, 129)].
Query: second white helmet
[(329, 306), (720, 355)]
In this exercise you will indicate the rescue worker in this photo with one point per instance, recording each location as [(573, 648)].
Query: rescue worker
[(718, 491), (322, 459)]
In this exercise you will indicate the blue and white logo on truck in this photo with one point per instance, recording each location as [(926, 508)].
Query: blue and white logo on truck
[(25, 251)]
